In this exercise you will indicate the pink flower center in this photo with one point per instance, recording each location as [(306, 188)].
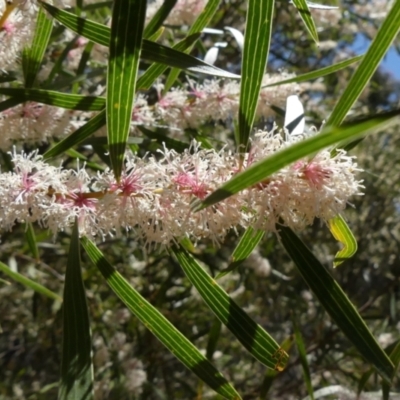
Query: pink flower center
[(313, 172), (189, 184)]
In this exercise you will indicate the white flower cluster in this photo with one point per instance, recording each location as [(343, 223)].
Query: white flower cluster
[(154, 195), (17, 24), (33, 123), (197, 103), (180, 108)]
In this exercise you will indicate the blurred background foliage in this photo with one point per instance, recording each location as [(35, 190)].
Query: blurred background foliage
[(129, 362)]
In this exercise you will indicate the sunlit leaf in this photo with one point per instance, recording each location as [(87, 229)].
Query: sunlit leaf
[(125, 46), (32, 56), (17, 277), (318, 73), (178, 344), (343, 234), (252, 336), (255, 54), (156, 22), (370, 62), (248, 242), (302, 7), (150, 51)]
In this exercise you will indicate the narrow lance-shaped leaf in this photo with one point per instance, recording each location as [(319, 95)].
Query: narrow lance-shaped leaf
[(370, 62), (83, 62), (168, 335), (255, 54), (78, 136), (335, 302), (156, 69), (201, 22), (158, 19), (76, 361), (31, 240), (57, 99), (23, 280), (33, 55), (248, 242), (252, 336), (395, 357), (303, 358), (125, 45), (7, 77), (271, 374), (393, 350), (58, 65), (305, 15), (264, 168), (318, 73), (9, 103), (150, 51), (343, 234)]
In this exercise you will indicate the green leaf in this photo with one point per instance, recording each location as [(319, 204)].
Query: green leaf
[(255, 54), (57, 99), (168, 335), (125, 45), (76, 361), (264, 168), (305, 15), (395, 357), (343, 234), (83, 63), (252, 336), (393, 350), (10, 103), (5, 77), (160, 136), (271, 374), (318, 73), (17, 277), (78, 136), (201, 22), (370, 62), (58, 65), (75, 155), (303, 359), (215, 333), (33, 55), (159, 18), (151, 51), (248, 242), (335, 302), (155, 70), (31, 240)]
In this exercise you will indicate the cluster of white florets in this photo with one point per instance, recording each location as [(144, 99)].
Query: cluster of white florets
[(33, 123), (186, 107), (17, 24), (154, 195), (214, 100)]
